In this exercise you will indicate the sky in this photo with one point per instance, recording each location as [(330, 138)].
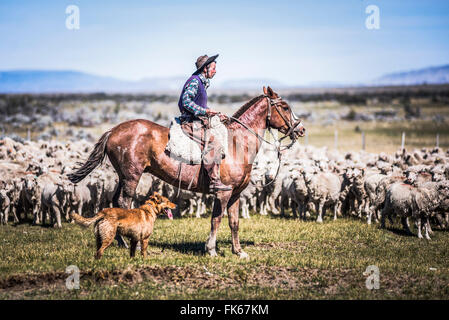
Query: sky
[(294, 42)]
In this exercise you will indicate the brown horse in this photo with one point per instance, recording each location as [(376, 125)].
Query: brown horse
[(138, 146)]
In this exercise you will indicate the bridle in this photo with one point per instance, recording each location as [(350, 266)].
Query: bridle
[(291, 126), (277, 144)]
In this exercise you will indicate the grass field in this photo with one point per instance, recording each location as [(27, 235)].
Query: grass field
[(289, 259), (379, 137)]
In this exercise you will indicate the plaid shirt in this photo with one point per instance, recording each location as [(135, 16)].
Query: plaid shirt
[(190, 93)]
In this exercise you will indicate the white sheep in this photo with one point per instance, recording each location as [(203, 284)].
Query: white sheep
[(323, 190)]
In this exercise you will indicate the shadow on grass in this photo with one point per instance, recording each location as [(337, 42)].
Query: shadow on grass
[(195, 248), (400, 232), (29, 222), (287, 216)]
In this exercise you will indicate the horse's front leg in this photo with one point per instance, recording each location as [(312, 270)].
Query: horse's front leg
[(220, 203), (233, 218)]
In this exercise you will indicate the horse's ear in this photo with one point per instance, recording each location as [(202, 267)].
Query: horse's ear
[(265, 90), (271, 92)]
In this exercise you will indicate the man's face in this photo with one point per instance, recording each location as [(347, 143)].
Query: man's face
[(210, 70)]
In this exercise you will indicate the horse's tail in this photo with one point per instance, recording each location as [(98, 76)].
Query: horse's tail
[(85, 222), (95, 158)]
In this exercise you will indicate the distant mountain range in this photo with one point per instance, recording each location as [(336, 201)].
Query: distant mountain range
[(43, 81), (431, 75)]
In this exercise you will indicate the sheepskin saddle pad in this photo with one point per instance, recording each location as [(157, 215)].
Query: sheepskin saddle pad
[(184, 149)]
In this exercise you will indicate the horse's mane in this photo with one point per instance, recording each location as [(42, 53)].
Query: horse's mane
[(246, 106)]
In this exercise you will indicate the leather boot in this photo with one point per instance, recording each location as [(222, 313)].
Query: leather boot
[(211, 161), (213, 170)]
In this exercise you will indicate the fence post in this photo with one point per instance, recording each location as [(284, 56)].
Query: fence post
[(403, 141), (28, 134), (438, 140), (363, 140)]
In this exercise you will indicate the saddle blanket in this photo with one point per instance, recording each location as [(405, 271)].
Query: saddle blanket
[(184, 149)]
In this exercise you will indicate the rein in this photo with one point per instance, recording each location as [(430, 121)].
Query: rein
[(277, 144)]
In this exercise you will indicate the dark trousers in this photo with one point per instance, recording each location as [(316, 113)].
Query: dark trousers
[(198, 130)]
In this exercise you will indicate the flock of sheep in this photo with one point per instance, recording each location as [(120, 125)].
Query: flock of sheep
[(371, 186), (310, 181)]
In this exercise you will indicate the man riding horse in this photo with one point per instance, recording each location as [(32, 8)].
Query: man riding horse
[(137, 146), (193, 106)]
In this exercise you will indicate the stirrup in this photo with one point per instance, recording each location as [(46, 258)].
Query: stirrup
[(220, 187)]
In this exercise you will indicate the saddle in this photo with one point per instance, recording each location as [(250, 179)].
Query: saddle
[(187, 139)]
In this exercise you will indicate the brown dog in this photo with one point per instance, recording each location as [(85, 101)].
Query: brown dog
[(136, 224)]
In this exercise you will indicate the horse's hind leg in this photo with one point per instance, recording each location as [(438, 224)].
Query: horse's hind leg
[(233, 217), (121, 200), (115, 203), (126, 191), (220, 203), (124, 194), (129, 171), (117, 193)]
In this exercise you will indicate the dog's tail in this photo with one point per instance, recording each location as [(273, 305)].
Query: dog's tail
[(95, 158), (85, 222)]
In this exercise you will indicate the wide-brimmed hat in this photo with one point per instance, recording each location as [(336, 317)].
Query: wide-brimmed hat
[(202, 62)]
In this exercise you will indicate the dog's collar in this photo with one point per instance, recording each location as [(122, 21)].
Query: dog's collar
[(152, 205)]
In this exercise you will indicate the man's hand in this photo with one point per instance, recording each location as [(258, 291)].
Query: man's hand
[(223, 117), (211, 113)]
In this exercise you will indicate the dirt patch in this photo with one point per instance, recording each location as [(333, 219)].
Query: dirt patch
[(279, 277), (169, 274), (31, 280), (325, 283)]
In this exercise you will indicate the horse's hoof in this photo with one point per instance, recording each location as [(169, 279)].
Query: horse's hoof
[(319, 220), (243, 255)]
